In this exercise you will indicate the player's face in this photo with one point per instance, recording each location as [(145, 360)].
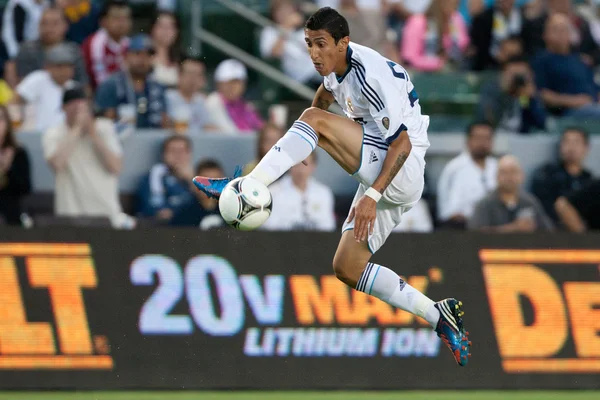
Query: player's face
[(573, 147), (325, 54)]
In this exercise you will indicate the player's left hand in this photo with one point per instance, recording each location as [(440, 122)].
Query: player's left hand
[(364, 215)]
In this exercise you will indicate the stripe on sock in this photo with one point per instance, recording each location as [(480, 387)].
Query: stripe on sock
[(364, 278), (307, 129)]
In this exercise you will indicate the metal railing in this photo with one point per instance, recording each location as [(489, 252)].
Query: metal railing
[(201, 35)]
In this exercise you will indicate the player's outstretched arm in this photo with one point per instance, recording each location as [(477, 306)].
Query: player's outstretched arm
[(323, 99), (394, 160)]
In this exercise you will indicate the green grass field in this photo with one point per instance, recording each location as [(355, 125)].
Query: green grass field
[(408, 395)]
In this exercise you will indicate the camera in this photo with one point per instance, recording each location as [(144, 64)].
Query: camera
[(519, 81)]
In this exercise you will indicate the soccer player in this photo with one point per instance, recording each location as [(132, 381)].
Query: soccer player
[(382, 144)]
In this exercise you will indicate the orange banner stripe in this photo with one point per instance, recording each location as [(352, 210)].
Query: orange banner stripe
[(56, 362), (541, 256), (47, 249), (590, 365)]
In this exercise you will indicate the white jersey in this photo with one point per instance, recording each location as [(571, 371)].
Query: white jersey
[(378, 94)]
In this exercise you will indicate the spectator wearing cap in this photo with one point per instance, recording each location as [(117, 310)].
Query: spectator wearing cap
[(83, 17), (104, 51), (185, 105), (53, 26), (42, 90), (134, 89), (20, 22), (231, 113), (86, 156)]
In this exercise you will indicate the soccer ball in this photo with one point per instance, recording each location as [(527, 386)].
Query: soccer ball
[(245, 203)]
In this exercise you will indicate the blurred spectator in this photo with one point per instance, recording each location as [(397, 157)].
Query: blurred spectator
[(417, 219), (42, 91), (433, 40), (490, 28), (86, 157), (167, 188), (267, 138), (591, 13), (511, 47), (230, 111), (134, 91), (201, 211), (579, 34), (83, 17), (185, 105), (467, 178), (15, 175), (566, 84), (511, 102), (300, 202), (288, 45), (579, 210), (557, 179), (509, 209), (165, 37), (53, 27), (20, 22), (368, 25), (104, 51)]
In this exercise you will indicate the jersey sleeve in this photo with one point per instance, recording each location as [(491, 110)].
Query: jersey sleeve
[(389, 101)]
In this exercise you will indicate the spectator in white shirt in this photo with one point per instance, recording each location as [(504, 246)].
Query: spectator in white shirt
[(42, 90), (20, 22), (86, 156), (300, 202), (417, 219), (186, 105), (467, 178), (287, 44)]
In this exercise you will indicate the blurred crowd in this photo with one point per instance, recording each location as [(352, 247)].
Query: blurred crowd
[(76, 71)]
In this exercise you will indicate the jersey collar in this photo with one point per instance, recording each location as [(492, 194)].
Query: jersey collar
[(348, 59)]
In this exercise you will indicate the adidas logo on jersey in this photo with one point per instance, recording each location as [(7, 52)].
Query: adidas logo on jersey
[(373, 158)]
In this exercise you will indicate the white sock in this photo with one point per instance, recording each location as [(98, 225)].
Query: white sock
[(386, 285), (293, 148)]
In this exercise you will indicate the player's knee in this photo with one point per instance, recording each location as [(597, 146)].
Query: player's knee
[(314, 117), (341, 271)]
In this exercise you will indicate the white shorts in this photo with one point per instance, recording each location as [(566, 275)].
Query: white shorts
[(399, 197)]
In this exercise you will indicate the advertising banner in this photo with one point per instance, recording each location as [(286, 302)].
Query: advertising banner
[(183, 309)]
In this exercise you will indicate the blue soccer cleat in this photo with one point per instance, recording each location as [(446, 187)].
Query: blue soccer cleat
[(450, 330), (213, 187)]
